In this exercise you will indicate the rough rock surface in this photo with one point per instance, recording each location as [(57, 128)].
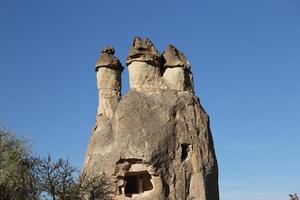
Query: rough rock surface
[(156, 144), (144, 51), (108, 73), (177, 73), (107, 59), (174, 58)]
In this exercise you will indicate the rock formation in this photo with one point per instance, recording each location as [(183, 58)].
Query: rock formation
[(154, 142), (108, 71)]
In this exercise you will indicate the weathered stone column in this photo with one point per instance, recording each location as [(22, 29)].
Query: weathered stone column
[(108, 71), (155, 143), (143, 62), (177, 72)]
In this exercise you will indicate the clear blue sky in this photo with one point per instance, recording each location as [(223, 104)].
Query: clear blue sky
[(245, 56)]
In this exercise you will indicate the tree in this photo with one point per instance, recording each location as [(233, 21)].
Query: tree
[(57, 178), (60, 181), (95, 187), (294, 196), (17, 180), (24, 176)]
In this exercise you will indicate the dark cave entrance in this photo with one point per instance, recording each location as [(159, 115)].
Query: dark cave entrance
[(137, 182), (184, 151)]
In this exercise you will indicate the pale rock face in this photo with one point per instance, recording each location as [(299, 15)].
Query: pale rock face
[(178, 78), (155, 142), (196, 187), (108, 74), (108, 102), (143, 76), (177, 70), (175, 78), (109, 85), (108, 78)]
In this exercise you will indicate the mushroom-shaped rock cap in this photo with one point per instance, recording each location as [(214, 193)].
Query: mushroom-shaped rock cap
[(107, 59), (174, 58), (143, 51)]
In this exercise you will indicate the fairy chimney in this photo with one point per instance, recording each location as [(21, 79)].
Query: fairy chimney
[(155, 142), (143, 63), (177, 72), (108, 72)]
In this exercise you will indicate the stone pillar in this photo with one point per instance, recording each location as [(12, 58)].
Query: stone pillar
[(143, 63), (108, 73), (177, 72), (156, 142)]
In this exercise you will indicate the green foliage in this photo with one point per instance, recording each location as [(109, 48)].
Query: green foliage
[(293, 196), (17, 179), (27, 177)]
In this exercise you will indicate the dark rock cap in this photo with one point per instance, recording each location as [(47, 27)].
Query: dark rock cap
[(174, 58), (144, 51), (107, 59)]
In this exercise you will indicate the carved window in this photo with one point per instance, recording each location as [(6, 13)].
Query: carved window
[(137, 182)]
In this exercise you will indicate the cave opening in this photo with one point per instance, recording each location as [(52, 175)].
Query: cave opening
[(184, 151), (137, 182)]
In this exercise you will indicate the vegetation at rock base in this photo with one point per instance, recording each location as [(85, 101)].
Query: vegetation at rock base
[(24, 176), (17, 178), (294, 196)]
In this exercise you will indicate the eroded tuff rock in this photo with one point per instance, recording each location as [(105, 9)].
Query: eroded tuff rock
[(144, 51), (108, 72), (174, 58), (144, 66), (107, 59), (156, 142), (177, 71)]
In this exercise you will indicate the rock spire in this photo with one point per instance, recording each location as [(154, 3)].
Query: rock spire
[(108, 73), (155, 142), (177, 70)]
